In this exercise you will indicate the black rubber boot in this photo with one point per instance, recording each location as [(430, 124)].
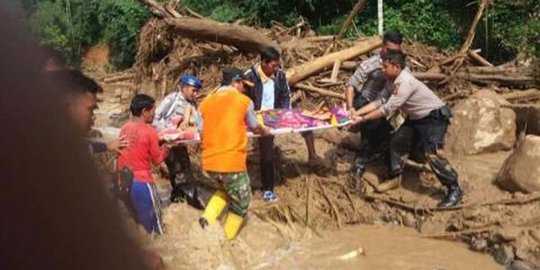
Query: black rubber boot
[(453, 197)]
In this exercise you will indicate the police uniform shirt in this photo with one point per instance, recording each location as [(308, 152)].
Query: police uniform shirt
[(409, 95)]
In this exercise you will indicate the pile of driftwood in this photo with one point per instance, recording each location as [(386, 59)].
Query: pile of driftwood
[(178, 40)]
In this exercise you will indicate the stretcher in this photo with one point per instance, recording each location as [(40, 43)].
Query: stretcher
[(280, 122)]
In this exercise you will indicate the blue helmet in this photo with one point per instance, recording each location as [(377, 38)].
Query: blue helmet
[(191, 80)]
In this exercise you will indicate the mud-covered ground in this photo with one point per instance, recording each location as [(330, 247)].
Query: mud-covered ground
[(330, 218)]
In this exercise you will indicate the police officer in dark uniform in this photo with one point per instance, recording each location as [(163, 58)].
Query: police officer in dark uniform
[(425, 126), (362, 88)]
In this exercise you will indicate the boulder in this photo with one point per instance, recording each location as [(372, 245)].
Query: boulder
[(520, 171), (481, 124)]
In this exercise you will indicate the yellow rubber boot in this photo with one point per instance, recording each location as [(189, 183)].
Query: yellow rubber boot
[(215, 206), (232, 225)]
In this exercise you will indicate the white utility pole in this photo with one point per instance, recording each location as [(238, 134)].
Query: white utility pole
[(380, 15)]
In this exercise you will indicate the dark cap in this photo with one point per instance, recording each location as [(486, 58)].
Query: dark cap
[(231, 74)]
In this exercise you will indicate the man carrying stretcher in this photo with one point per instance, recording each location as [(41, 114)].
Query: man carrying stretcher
[(225, 114)]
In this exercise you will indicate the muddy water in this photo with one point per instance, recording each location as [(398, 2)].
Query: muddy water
[(384, 247), (259, 246)]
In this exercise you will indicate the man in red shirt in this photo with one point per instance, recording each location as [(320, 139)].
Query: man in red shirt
[(143, 151)]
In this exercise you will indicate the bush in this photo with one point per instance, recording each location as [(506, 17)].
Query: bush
[(74, 25), (420, 20), (512, 26)]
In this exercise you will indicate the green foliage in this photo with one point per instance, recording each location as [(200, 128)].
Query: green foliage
[(511, 26), (74, 25), (120, 22), (420, 20)]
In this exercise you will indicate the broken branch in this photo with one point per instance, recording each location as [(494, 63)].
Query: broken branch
[(359, 6), (320, 91)]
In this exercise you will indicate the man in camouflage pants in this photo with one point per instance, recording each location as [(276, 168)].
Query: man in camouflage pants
[(225, 114), (238, 190)]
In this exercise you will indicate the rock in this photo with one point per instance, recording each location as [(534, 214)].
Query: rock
[(520, 265), (479, 244), (504, 255), (480, 124), (409, 220), (520, 171), (509, 234)]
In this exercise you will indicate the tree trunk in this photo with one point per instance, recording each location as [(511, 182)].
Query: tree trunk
[(300, 72), (482, 6), (242, 37), (356, 9)]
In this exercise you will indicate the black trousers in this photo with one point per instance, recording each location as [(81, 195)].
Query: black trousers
[(266, 151), (267, 162), (178, 161), (427, 136), (375, 136)]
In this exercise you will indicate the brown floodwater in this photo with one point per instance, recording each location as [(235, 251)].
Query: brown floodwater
[(260, 246), (384, 247)]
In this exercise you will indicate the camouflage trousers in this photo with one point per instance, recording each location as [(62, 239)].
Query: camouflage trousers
[(238, 187)]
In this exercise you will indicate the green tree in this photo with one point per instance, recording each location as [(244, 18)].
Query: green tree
[(74, 25)]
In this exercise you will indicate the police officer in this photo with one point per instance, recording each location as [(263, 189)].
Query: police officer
[(362, 88), (425, 126), (178, 110)]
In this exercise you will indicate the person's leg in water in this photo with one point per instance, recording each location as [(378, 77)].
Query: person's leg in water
[(237, 191), (147, 204), (432, 137), (266, 149)]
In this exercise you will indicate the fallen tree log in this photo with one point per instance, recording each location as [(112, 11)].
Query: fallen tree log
[(320, 91), (320, 38), (359, 6), (513, 80), (522, 95), (429, 76), (300, 72), (500, 70), (242, 37), (120, 77)]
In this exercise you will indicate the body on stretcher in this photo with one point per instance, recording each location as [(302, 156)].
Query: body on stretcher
[(278, 121)]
